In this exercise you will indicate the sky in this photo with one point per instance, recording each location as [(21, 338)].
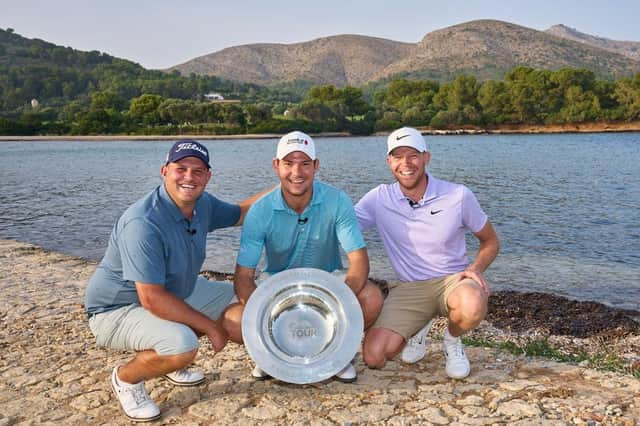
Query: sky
[(161, 33)]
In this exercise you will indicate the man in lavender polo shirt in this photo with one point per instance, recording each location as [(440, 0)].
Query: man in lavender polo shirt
[(422, 221)]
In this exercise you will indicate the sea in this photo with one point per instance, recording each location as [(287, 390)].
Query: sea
[(566, 206)]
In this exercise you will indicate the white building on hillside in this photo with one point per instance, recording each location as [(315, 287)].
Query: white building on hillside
[(213, 96)]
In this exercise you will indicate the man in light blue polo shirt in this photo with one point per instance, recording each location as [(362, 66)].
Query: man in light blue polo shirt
[(145, 294), (422, 221), (303, 223)]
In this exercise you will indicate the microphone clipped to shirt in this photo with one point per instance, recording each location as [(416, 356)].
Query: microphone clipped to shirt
[(302, 220), (413, 204), (192, 232)]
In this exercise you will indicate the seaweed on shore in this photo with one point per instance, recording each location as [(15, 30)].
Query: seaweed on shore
[(560, 316)]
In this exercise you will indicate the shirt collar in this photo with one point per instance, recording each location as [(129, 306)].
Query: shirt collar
[(171, 206), (433, 188), (281, 204), (432, 191)]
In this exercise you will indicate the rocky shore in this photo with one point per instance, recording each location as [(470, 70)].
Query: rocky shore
[(52, 373)]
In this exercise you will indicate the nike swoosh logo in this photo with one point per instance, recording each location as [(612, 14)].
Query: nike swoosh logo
[(401, 137), (435, 211)]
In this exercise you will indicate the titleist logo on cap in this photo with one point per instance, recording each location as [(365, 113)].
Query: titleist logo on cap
[(191, 146)]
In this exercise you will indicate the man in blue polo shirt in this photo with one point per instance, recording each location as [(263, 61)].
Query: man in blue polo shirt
[(303, 223), (422, 221), (145, 294)]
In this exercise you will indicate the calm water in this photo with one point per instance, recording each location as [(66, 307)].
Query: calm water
[(565, 206)]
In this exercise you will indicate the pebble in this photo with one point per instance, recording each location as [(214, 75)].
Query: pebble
[(52, 372)]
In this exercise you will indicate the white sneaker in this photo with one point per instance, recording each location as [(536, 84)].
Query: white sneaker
[(347, 374), (134, 400), (185, 377), (458, 366), (259, 374), (416, 346)]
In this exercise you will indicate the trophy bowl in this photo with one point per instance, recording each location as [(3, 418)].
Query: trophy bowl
[(302, 325)]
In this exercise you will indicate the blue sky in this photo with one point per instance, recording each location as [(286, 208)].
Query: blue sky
[(162, 33)]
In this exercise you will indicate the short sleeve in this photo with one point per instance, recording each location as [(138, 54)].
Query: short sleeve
[(252, 239), (473, 217), (347, 229), (142, 252), (366, 209), (221, 213)]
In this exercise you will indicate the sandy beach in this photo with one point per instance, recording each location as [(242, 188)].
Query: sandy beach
[(51, 372)]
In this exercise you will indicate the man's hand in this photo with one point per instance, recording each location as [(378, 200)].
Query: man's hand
[(487, 252), (244, 283), (477, 276), (218, 336), (358, 272)]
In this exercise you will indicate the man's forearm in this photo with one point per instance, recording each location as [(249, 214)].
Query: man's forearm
[(487, 253), (244, 283), (169, 307), (487, 249), (355, 283), (358, 272)]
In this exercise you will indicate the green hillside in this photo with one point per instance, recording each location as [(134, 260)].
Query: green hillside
[(55, 75)]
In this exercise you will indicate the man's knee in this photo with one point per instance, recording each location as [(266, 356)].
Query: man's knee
[(371, 296), (373, 354), (371, 300), (177, 342), (232, 322), (380, 345), (468, 304)]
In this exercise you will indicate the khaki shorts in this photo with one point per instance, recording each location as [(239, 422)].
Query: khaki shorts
[(410, 305)]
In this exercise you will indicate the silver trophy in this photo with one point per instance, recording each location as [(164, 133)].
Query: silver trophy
[(302, 325)]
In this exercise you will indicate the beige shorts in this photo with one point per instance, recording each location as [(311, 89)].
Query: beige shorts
[(410, 305)]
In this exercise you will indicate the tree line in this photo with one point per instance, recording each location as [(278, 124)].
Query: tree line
[(525, 96)]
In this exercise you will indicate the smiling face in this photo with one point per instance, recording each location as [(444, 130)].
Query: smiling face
[(185, 180), (296, 172), (408, 167)]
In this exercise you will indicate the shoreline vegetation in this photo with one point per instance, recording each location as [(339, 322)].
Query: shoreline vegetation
[(595, 127), (52, 372)]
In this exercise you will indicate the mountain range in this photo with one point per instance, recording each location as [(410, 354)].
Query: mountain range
[(486, 49)]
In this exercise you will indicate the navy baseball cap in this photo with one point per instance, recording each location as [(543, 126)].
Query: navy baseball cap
[(188, 148)]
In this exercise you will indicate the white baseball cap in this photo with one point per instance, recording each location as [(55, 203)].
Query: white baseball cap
[(296, 141), (406, 136)]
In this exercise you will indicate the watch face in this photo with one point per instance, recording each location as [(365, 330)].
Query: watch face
[(302, 325)]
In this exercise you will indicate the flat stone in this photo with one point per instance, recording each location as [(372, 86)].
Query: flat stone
[(264, 411), (517, 385), (517, 409), (184, 396), (434, 415), (212, 409), (88, 401), (362, 414), (70, 376), (473, 400), (476, 411)]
